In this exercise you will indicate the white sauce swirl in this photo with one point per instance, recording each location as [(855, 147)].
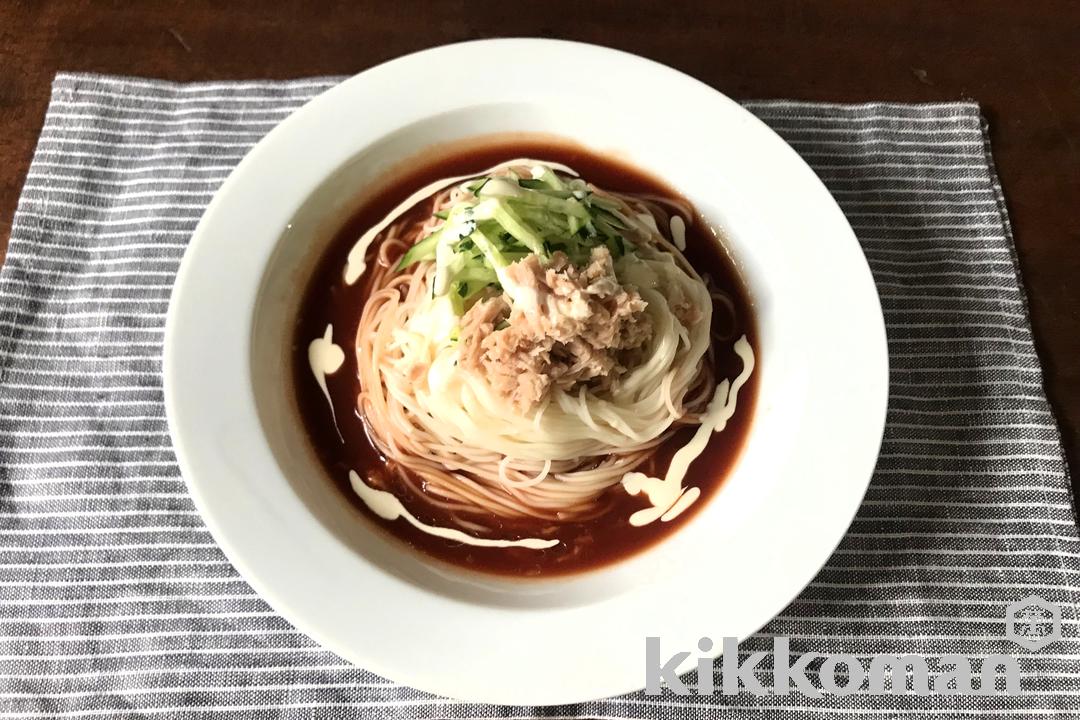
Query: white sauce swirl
[(388, 507), (325, 358), (668, 497), (678, 232)]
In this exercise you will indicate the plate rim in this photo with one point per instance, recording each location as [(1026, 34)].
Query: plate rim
[(180, 421)]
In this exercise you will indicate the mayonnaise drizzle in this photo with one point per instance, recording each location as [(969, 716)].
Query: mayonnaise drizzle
[(356, 263), (678, 232), (325, 358), (668, 497), (388, 507)]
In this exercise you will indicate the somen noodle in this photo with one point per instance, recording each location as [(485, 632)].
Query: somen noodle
[(481, 452)]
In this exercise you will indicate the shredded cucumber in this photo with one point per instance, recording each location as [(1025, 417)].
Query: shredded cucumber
[(423, 250), (506, 218)]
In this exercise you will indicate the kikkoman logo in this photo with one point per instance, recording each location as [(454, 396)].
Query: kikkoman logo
[(1032, 623)]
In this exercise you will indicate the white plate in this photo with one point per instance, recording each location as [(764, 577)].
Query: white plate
[(815, 438)]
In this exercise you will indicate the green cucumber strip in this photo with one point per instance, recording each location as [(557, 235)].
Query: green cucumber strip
[(475, 189), (513, 224), (492, 254), (552, 180), (423, 250)]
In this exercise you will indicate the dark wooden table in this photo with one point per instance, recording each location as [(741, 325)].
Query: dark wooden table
[(1019, 59)]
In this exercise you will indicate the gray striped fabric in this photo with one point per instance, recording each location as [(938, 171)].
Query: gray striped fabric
[(115, 601)]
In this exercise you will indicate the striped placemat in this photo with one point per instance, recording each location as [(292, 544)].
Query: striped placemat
[(115, 601)]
